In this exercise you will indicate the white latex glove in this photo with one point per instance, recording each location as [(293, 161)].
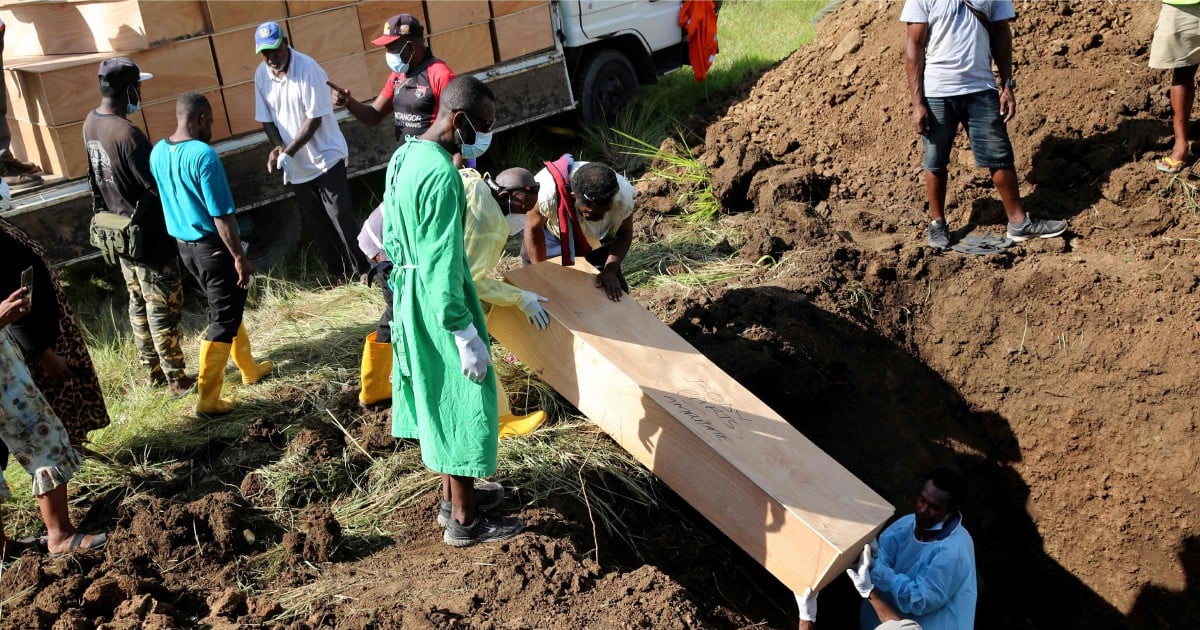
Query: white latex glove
[(861, 574), (472, 353), (534, 311), (284, 164), (807, 601)]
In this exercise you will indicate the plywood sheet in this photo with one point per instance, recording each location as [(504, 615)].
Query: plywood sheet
[(508, 7), (377, 74), (230, 14), (447, 15), (239, 108), (780, 498), (161, 122), (234, 54), (63, 28), (522, 33), (373, 13), (179, 67), (329, 35), (464, 49), (304, 7)]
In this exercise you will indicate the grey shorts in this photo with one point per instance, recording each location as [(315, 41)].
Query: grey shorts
[(1176, 42)]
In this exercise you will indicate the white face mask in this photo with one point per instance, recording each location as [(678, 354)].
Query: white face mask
[(516, 223)]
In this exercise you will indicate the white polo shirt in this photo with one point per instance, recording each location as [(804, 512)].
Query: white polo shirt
[(290, 99), (593, 231)]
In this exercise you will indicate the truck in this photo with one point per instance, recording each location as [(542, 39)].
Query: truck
[(602, 51)]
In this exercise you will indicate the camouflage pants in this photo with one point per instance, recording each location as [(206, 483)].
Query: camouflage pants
[(155, 308)]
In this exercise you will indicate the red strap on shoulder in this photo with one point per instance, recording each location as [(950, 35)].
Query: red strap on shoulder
[(570, 234)]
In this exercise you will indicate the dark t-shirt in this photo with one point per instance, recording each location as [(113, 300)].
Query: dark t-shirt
[(119, 155), (415, 96)]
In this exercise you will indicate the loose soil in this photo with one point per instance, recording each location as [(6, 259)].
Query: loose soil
[(1059, 377)]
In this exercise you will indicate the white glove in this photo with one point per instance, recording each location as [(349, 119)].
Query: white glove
[(534, 311), (472, 353), (284, 164), (861, 574), (807, 601)]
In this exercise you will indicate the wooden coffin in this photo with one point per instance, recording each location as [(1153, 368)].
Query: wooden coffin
[(447, 15), (464, 49), (61, 28), (519, 34), (329, 35), (228, 14), (784, 501)]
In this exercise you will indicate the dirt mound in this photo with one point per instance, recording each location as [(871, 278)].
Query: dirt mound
[(1061, 376)]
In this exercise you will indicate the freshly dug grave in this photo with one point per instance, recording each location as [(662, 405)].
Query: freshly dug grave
[(1060, 376)]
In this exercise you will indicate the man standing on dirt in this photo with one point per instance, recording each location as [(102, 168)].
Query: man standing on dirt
[(119, 173), (1176, 47), (583, 209), (293, 104), (949, 54), (199, 211), (443, 385), (925, 567)]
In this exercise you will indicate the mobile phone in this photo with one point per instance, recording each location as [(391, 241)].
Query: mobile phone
[(27, 283)]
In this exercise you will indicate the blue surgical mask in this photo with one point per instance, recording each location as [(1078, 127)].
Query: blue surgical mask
[(516, 223), (132, 108), (477, 148), (394, 62)]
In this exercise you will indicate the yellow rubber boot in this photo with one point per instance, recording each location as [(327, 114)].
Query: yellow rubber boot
[(213, 357), (376, 371), (251, 371), (512, 426)]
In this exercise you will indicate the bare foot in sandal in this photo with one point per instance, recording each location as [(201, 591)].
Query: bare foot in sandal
[(78, 542)]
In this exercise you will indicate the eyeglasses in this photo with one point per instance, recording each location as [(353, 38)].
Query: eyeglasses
[(486, 125)]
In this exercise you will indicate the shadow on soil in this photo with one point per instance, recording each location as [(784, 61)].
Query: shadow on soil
[(889, 419)]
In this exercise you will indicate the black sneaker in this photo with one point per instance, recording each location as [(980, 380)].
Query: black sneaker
[(13, 166), (939, 234), (487, 496), (486, 528), (1036, 228)]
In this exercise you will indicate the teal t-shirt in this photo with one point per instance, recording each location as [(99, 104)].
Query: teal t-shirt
[(193, 187)]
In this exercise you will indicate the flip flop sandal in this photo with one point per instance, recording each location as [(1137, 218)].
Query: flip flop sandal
[(98, 542), (1169, 166), (982, 245)]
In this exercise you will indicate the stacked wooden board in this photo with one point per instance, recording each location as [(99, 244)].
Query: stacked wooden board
[(52, 50), (785, 502)]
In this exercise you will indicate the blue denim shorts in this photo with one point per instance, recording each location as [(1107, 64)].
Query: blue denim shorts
[(979, 113)]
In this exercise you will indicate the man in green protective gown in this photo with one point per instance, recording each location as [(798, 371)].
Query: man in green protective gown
[(443, 386)]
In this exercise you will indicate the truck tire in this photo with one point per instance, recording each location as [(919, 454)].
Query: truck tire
[(608, 83), (275, 235)]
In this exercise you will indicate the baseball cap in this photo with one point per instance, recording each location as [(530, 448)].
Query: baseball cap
[(268, 36), (121, 72), (397, 26)]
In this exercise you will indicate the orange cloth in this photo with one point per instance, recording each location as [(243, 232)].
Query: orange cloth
[(699, 19)]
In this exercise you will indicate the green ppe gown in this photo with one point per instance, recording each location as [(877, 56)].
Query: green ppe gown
[(455, 419)]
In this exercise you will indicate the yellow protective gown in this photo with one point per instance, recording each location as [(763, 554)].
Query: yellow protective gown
[(485, 234), (424, 212)]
